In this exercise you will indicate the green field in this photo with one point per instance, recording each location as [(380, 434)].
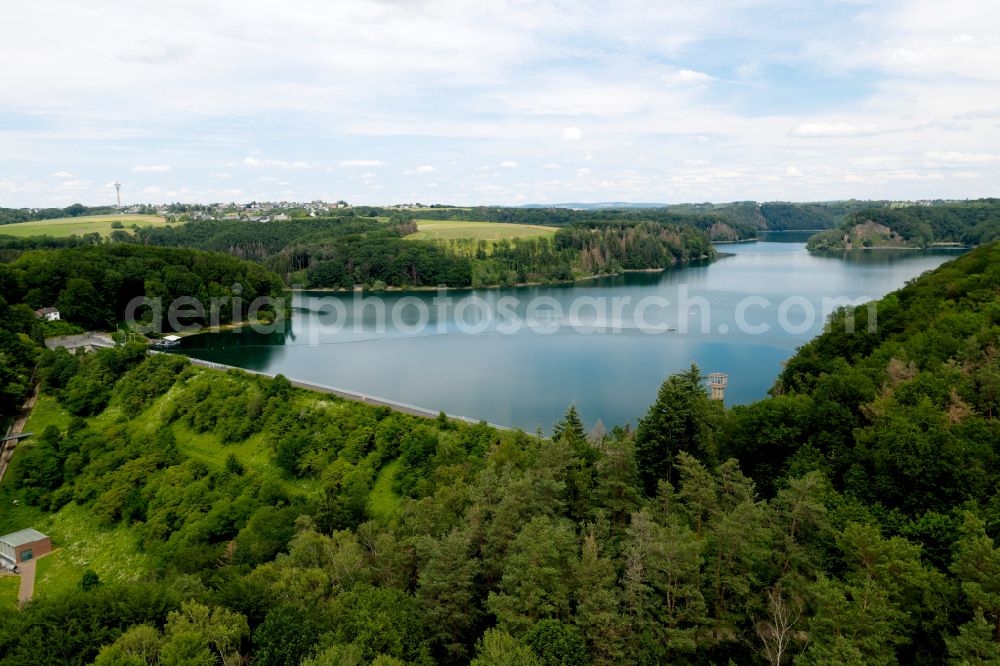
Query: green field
[(488, 231), (9, 586), (86, 224)]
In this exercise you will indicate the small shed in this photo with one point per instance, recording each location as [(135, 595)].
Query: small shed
[(24, 545)]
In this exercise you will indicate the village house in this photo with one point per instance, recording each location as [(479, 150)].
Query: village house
[(48, 314)]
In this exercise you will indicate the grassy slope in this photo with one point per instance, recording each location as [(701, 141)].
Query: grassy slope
[(9, 586), (68, 226), (113, 553), (489, 231), (80, 545)]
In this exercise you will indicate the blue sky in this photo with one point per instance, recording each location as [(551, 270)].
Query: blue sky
[(504, 102)]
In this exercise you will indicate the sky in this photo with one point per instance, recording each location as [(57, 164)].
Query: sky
[(498, 101)]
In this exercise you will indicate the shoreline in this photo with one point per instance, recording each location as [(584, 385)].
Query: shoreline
[(398, 290), (887, 248)]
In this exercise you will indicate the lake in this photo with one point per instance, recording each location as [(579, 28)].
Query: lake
[(520, 356)]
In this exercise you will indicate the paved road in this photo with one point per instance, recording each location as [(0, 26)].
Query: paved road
[(27, 581)]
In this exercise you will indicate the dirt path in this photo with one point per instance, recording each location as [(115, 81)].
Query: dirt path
[(7, 450), (27, 581)]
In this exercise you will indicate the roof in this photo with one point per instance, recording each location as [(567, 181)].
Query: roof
[(45, 311), (22, 537), (171, 338)]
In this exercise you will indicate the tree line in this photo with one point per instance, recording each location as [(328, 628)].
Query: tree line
[(14, 215)]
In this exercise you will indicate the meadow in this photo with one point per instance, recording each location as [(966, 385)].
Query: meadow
[(438, 230), (78, 226)]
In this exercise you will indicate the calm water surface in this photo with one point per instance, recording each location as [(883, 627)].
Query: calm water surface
[(528, 378)]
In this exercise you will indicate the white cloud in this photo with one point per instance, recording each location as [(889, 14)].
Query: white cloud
[(687, 77), (62, 174), (151, 168), (833, 130), (946, 157), (508, 164), (425, 168), (424, 83), (584, 171), (281, 164), (572, 134)]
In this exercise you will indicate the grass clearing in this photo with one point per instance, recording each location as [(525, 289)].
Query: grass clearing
[(489, 231), (254, 453), (46, 412), (85, 224), (383, 502), (112, 552), (9, 586)]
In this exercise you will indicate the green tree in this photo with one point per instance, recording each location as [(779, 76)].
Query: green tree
[(570, 427), (557, 644), (498, 648), (682, 419), (976, 643), (535, 583), (597, 613), (446, 591), (663, 603), (139, 646), (89, 580), (286, 636)]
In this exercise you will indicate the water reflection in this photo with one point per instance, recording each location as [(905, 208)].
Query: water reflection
[(527, 379)]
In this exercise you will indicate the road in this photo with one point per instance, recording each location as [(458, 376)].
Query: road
[(15, 429), (401, 407), (27, 589)]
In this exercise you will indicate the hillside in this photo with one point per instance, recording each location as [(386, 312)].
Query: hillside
[(382, 248), (103, 225), (916, 226), (850, 518)]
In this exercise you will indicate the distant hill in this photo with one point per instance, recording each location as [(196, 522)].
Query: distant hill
[(770, 216), (598, 205), (915, 225)]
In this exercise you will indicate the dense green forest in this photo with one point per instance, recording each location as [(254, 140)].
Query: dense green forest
[(743, 218), (850, 518), (782, 215), (580, 251), (355, 249), (968, 223), (92, 284)]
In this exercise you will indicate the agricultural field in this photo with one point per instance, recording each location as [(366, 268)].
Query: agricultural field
[(78, 226), (440, 230)]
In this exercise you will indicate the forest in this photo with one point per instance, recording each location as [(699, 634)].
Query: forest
[(368, 247), (92, 284), (849, 518), (743, 218), (967, 223)]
